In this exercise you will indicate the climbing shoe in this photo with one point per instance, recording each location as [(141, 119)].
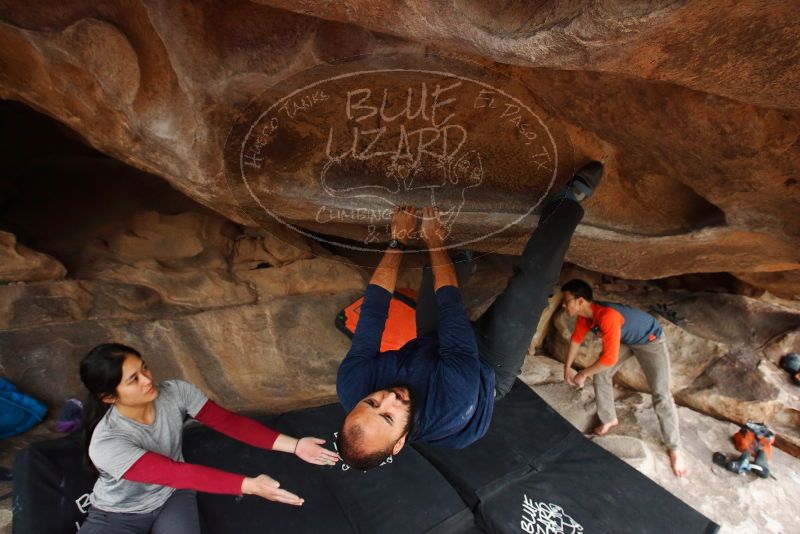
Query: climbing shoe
[(465, 259), (585, 181)]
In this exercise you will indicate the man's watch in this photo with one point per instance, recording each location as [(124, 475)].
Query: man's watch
[(394, 244)]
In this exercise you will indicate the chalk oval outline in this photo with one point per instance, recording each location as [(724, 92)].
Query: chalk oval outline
[(395, 70)]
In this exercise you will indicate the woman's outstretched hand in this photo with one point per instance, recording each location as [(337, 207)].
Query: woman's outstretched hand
[(269, 488), (312, 451)]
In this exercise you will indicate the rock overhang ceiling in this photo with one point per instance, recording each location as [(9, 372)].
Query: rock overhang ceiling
[(693, 107)]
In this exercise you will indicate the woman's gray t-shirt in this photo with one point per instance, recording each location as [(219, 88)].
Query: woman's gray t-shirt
[(118, 442)]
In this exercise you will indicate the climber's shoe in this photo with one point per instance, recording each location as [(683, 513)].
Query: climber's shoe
[(585, 181)]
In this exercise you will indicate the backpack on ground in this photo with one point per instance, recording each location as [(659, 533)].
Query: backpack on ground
[(754, 437), (401, 325), (18, 411)]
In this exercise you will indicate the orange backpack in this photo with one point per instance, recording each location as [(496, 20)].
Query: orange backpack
[(401, 326), (754, 437)]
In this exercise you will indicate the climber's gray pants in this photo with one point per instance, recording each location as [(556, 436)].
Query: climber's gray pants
[(654, 359)]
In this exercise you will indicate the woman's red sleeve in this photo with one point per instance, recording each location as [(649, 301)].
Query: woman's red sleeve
[(154, 468), (236, 426)]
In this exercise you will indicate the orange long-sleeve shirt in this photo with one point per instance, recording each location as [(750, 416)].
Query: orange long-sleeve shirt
[(617, 323), (607, 323)]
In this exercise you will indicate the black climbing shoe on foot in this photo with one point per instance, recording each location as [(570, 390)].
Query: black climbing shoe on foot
[(586, 180), (467, 257)]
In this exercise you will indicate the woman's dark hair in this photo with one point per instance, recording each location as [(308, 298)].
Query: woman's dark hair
[(101, 373), (579, 289)]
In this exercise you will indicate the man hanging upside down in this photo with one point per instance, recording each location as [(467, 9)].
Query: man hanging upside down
[(440, 387)]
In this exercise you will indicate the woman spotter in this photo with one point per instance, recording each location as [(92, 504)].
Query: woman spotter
[(134, 434)]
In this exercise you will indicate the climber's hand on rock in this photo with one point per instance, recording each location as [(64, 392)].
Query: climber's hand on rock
[(569, 375), (432, 230), (404, 223), (579, 380)]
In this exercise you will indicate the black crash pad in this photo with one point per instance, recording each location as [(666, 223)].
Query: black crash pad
[(241, 514), (51, 487), (534, 472), (407, 495)]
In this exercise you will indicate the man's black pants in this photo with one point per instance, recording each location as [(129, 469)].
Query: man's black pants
[(505, 330)]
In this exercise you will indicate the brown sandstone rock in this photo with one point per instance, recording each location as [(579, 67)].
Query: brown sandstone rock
[(545, 321), (183, 258), (317, 275), (249, 253), (18, 263), (195, 288), (67, 301), (655, 40), (734, 388), (274, 244), (734, 320), (701, 168), (271, 356), (782, 345), (785, 284), (152, 235)]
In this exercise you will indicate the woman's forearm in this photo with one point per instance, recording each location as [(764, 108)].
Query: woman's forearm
[(154, 468), (237, 426), (285, 443)]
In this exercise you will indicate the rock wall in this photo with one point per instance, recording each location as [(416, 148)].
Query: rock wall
[(254, 331), (692, 106), (18, 263)]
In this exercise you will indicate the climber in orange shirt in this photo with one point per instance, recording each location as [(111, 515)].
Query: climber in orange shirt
[(625, 332)]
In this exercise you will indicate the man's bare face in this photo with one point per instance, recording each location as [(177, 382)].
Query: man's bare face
[(571, 304), (383, 417)]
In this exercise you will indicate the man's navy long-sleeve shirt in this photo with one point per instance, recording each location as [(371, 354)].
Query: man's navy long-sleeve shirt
[(455, 388)]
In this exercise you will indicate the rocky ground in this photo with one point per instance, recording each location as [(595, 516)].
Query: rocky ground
[(740, 504)]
